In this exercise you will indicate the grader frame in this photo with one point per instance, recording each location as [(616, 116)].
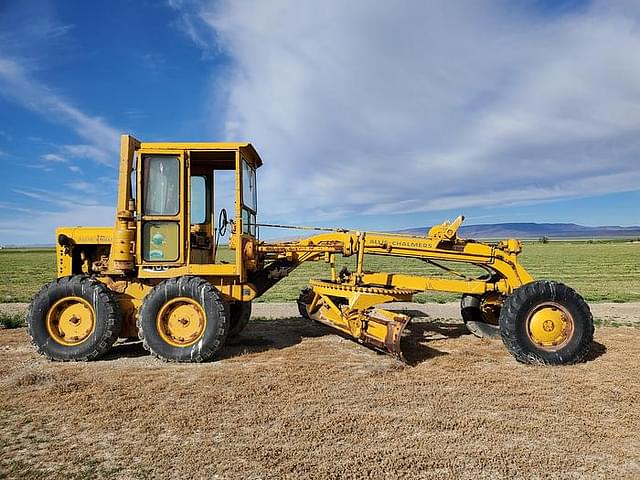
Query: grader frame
[(346, 302), (155, 274)]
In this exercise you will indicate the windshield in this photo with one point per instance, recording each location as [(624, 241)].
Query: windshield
[(249, 194), (161, 185)]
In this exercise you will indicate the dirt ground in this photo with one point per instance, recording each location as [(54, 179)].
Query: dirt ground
[(289, 399)]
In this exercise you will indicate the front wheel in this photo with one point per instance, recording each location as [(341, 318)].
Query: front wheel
[(546, 322)]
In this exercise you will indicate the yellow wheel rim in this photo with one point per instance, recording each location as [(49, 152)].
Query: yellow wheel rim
[(181, 322), (70, 321), (550, 326)]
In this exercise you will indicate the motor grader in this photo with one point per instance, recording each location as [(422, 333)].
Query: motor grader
[(157, 273)]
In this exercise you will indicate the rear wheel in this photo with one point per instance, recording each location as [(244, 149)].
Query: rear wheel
[(546, 322), (481, 314), (74, 318), (239, 315), (183, 319)]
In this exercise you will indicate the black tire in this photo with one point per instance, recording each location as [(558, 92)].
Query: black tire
[(524, 302), (202, 294), (475, 320), (107, 319), (239, 315), (304, 299)]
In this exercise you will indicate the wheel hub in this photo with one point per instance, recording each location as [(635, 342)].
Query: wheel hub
[(70, 321), (490, 306), (550, 326), (181, 322)]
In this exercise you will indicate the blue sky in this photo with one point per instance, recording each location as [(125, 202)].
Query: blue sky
[(367, 116)]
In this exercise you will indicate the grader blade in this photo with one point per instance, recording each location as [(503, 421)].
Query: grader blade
[(350, 310), (383, 331), (378, 329)]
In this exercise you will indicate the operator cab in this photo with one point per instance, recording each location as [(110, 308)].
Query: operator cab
[(189, 198)]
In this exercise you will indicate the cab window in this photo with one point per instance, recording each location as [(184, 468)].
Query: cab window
[(249, 198), (160, 197), (249, 194), (161, 185), (199, 203)]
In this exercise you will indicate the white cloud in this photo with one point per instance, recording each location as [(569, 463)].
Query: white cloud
[(63, 200), (41, 226), (89, 206), (369, 107), (84, 187), (189, 21), (92, 152), (55, 209), (102, 140), (40, 166), (53, 157)]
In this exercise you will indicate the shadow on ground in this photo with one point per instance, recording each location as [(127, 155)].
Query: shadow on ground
[(127, 349), (259, 336), (418, 334), (597, 350), (264, 335)]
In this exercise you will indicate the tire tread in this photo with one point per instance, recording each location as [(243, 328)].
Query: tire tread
[(113, 321), (183, 284), (517, 304)]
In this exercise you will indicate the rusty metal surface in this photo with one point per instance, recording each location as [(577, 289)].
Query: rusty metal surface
[(343, 287)]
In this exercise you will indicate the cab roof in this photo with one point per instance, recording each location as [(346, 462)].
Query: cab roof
[(203, 146)]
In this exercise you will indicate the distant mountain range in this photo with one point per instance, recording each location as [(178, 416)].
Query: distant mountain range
[(535, 230), (497, 231)]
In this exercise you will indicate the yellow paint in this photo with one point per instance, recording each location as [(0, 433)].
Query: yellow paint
[(490, 306), (70, 321), (141, 250), (121, 258), (247, 148), (424, 284), (160, 241), (378, 328), (87, 235), (446, 230), (130, 295), (550, 326), (181, 322)]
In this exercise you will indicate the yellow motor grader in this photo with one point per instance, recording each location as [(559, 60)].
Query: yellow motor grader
[(157, 274)]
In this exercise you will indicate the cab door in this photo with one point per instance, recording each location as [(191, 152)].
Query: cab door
[(161, 209)]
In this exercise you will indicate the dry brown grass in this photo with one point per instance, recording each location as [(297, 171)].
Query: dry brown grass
[(292, 400)]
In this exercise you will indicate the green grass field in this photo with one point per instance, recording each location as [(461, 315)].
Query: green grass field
[(601, 272)]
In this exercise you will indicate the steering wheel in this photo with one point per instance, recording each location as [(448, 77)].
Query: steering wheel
[(223, 221)]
